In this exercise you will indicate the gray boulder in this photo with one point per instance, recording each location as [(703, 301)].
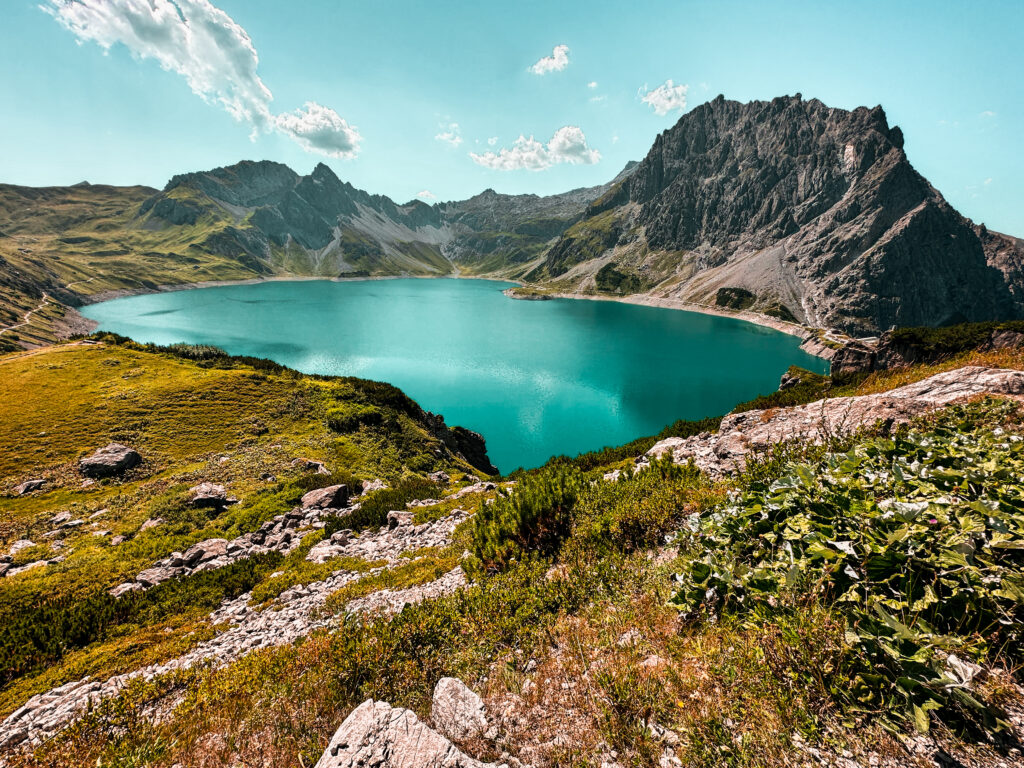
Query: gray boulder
[(209, 495), (457, 711), (377, 735), (331, 497), (29, 486), (114, 459)]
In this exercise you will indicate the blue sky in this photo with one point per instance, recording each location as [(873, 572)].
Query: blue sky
[(373, 88)]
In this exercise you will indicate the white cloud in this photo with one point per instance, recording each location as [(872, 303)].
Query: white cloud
[(602, 97), (987, 182), (492, 141), (214, 54), (988, 113), (426, 194), (592, 84), (556, 62), (665, 98), (568, 145), (317, 128), (451, 134)]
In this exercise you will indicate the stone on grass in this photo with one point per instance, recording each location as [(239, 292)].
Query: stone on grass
[(209, 495), (331, 497), (21, 544), (29, 486), (114, 459)]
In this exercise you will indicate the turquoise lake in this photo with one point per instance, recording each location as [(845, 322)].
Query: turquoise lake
[(535, 378)]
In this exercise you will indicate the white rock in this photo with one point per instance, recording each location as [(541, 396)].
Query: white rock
[(457, 711)]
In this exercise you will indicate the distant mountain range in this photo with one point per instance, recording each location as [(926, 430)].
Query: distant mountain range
[(786, 207)]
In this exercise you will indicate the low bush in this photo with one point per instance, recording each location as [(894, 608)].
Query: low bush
[(36, 635), (917, 540), (534, 518)]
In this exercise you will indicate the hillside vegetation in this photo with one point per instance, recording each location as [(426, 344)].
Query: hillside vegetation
[(847, 597)]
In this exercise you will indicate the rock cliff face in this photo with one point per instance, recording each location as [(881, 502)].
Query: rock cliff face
[(786, 207), (815, 208)]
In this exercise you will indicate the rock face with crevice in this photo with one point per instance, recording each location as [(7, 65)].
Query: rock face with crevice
[(753, 432), (811, 211)]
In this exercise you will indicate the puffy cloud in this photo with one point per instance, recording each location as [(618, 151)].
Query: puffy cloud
[(214, 55), (556, 62), (568, 145), (592, 84), (988, 113), (666, 97), (450, 134), (316, 128), (492, 141), (426, 194)]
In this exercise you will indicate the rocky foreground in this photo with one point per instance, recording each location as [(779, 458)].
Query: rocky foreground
[(376, 734)]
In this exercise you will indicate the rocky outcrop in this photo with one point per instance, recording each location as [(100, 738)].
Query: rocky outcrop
[(283, 533), (900, 349), (798, 205), (468, 445), (752, 432), (243, 628), (377, 735)]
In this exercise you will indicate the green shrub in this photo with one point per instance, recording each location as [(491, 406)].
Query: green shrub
[(534, 518), (349, 417), (918, 541)]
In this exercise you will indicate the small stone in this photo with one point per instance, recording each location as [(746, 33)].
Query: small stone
[(311, 465), (208, 495), (29, 486), (21, 544)]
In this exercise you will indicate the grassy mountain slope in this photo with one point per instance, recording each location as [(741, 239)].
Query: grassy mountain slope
[(581, 620)]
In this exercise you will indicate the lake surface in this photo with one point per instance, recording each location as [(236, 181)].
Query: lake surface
[(536, 378)]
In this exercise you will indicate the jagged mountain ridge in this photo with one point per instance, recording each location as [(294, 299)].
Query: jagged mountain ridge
[(319, 224), (802, 206), (786, 207)]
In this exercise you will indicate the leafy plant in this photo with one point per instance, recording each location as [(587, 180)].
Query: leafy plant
[(917, 540)]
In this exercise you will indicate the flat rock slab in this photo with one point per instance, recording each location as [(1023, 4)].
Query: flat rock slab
[(741, 434)]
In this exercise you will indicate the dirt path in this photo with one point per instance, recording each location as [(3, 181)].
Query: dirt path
[(27, 318)]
